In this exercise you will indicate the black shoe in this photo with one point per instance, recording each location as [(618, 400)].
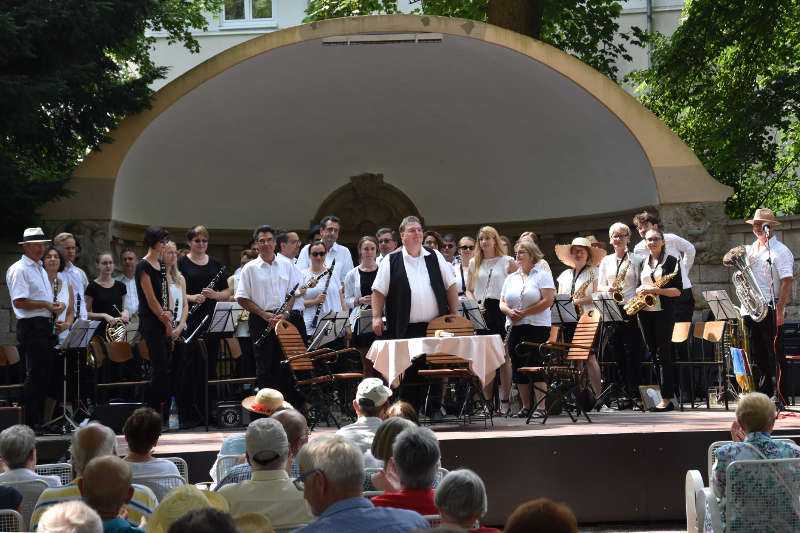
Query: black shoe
[(669, 407), (437, 416)]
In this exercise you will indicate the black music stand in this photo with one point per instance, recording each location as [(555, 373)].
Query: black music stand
[(78, 338), (330, 327), (610, 313), (364, 321), (470, 309), (223, 320), (562, 311), (723, 309)]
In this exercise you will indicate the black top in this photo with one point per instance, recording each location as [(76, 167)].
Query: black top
[(398, 301), (10, 498), (197, 278), (367, 279), (104, 299), (147, 320), (667, 267)]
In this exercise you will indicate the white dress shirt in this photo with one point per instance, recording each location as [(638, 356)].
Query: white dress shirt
[(677, 247), (332, 301), (77, 278), (27, 279), (565, 284), (24, 474), (63, 297), (779, 258), (267, 284), (361, 432), (131, 302), (491, 275), (610, 268), (156, 467), (344, 260), (529, 288), (424, 307), (270, 493)]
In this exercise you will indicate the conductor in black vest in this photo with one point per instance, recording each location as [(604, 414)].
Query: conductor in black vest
[(416, 285)]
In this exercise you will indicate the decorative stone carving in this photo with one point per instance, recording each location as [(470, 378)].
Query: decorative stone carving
[(92, 236), (702, 224)]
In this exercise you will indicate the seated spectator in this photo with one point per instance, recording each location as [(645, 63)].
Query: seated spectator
[(403, 410), (415, 460), (541, 516), (333, 474), (296, 427), (270, 491), (755, 418), (370, 405), (18, 450), (106, 487), (70, 517), (264, 403), (10, 498), (180, 501), (206, 520), (253, 523), (142, 430), (461, 500), (88, 442), (382, 451)]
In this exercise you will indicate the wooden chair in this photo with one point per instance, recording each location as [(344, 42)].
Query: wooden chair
[(116, 352), (313, 374), (447, 366), (566, 382), (9, 356)]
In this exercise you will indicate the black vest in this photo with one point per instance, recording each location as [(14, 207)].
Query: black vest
[(398, 301)]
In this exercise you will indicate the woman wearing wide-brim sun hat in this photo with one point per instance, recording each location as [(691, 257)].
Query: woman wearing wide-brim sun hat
[(265, 402), (581, 277)]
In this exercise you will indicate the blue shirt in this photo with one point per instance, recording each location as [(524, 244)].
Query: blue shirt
[(244, 472), (359, 515), (120, 524)]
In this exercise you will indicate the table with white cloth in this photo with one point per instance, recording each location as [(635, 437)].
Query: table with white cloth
[(484, 353)]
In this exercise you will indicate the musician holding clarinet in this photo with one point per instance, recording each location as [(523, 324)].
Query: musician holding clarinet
[(771, 264), (155, 315), (263, 285), (322, 295)]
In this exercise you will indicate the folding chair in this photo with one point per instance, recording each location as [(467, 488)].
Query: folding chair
[(11, 520), (62, 470), (180, 464), (566, 383), (30, 490), (160, 485), (224, 465), (313, 375)]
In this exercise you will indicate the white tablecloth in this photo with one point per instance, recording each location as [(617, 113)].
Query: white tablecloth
[(485, 353)]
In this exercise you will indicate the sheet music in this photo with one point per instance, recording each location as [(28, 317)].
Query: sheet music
[(562, 311)]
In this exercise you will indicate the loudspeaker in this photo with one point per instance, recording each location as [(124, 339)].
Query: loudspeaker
[(114, 415), (10, 416), (229, 415)]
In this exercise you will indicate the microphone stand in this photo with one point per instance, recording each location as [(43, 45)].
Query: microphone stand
[(779, 404)]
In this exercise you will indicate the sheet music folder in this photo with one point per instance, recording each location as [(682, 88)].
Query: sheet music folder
[(224, 317), (79, 334), (330, 328), (562, 311), (720, 304)]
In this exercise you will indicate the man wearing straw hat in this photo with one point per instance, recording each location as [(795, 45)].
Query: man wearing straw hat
[(32, 300), (771, 263)]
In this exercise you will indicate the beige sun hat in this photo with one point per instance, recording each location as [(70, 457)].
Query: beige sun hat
[(595, 254), (180, 501), (594, 242), (254, 523), (33, 235), (266, 402), (764, 215)]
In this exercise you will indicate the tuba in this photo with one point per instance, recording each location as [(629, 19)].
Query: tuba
[(747, 289)]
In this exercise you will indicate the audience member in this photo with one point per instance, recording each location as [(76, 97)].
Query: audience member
[(755, 418), (142, 430), (88, 442), (296, 427), (206, 520), (270, 491), (461, 500), (403, 410), (382, 451), (333, 476), (370, 405), (253, 523), (415, 460), (541, 516), (18, 450), (10, 498), (70, 517), (180, 501), (106, 487)]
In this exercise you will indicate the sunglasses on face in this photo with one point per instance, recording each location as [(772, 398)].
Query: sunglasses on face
[(317, 254), (466, 247), (451, 245)]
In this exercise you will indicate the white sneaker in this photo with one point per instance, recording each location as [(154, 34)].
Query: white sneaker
[(606, 409)]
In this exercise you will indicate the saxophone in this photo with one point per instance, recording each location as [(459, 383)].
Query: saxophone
[(747, 289), (616, 288), (581, 292), (640, 301)]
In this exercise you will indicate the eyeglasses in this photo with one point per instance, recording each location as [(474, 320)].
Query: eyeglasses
[(266, 241), (450, 245), (466, 247), (385, 241), (106, 262), (201, 241), (331, 229), (298, 481), (164, 240), (520, 252), (654, 239), (318, 254)]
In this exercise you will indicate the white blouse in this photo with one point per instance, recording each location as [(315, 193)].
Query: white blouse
[(521, 292), (63, 297), (176, 301), (610, 267), (491, 275), (332, 301), (565, 285)]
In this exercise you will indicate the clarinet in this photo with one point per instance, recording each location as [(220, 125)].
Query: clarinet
[(324, 292), (279, 311), (518, 307), (54, 317), (194, 307), (165, 296)]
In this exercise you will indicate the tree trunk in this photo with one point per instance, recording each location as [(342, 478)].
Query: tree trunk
[(521, 16)]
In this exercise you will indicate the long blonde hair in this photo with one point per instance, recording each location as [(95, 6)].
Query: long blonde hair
[(499, 251), (177, 277)]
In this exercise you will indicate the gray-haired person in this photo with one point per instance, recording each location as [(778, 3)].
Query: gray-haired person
[(461, 500), (18, 450)]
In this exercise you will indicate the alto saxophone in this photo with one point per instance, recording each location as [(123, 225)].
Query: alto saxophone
[(640, 301), (616, 288), (581, 292)]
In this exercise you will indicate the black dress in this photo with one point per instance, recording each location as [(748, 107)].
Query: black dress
[(154, 334), (366, 279), (104, 299)]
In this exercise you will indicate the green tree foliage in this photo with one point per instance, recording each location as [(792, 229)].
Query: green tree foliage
[(727, 82), (586, 29), (69, 71)]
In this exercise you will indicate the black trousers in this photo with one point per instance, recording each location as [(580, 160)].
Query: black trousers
[(625, 343), (158, 346), (526, 355), (657, 326), (43, 368), (766, 341), (494, 317), (268, 355), (412, 388)]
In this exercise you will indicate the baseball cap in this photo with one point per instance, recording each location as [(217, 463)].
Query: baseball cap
[(372, 393), (265, 440)]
